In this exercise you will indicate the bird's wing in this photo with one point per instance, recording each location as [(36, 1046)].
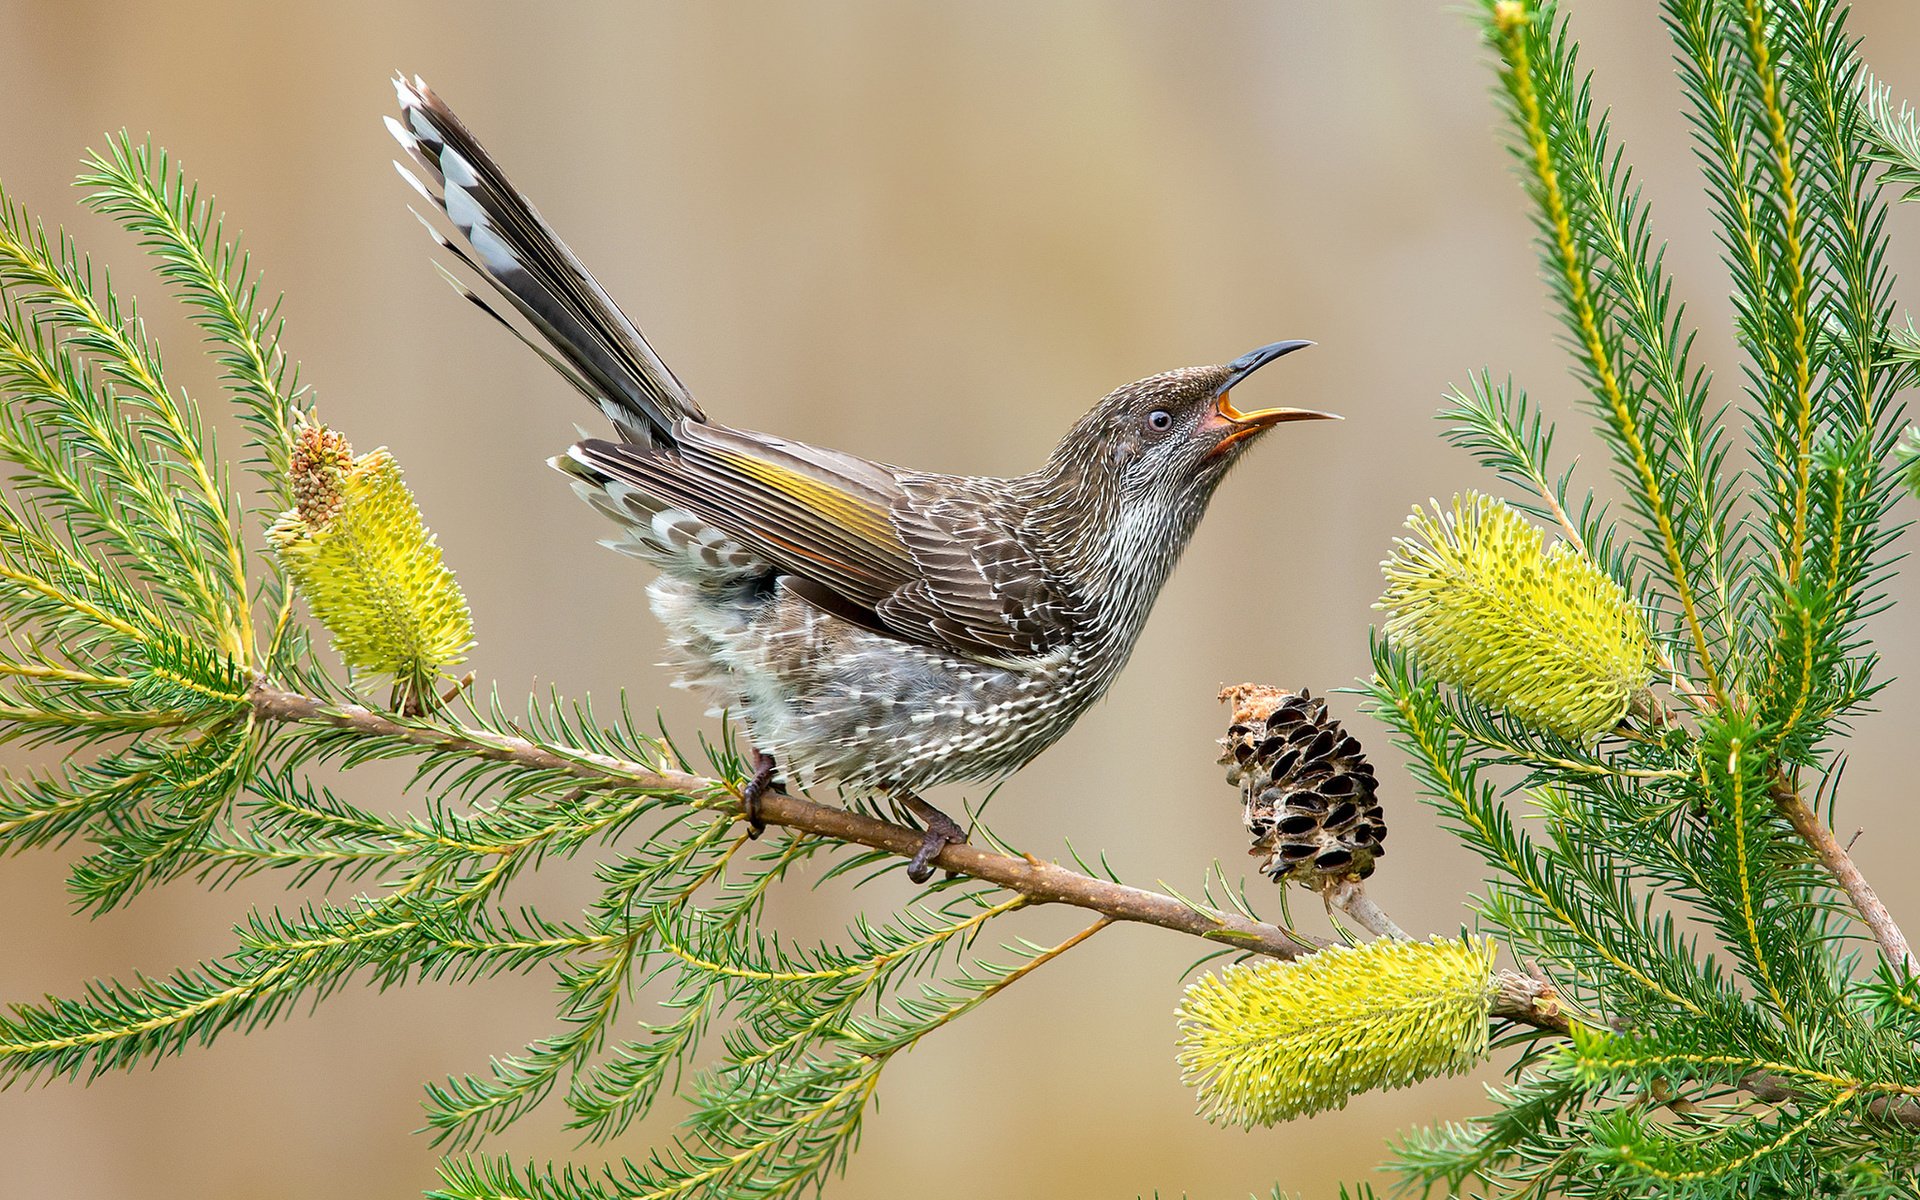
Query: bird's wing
[(923, 558), (979, 584)]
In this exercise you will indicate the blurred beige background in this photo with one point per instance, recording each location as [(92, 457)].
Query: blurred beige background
[(931, 233)]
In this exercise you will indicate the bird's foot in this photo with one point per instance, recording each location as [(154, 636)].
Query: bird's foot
[(942, 831), (756, 788)]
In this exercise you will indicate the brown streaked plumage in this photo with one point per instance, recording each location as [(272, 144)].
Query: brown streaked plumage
[(872, 626)]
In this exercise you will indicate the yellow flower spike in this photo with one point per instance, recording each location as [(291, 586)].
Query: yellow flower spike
[(1266, 1042), (368, 567), (1549, 637)]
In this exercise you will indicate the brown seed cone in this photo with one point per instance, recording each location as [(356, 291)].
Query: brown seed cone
[(1309, 790)]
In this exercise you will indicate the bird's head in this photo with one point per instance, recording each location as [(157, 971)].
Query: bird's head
[(1166, 441), (1126, 488)]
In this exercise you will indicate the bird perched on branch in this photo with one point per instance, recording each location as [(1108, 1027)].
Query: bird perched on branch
[(882, 628)]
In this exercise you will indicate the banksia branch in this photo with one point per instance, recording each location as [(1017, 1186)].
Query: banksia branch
[(368, 566), (1270, 1041), (1547, 636)]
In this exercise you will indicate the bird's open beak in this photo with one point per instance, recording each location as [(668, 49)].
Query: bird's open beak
[(1234, 425)]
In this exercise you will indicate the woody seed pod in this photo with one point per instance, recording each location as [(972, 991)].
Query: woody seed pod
[(1309, 792)]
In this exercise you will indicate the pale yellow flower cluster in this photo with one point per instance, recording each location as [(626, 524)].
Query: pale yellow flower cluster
[(1269, 1041), (1546, 636), (368, 566)]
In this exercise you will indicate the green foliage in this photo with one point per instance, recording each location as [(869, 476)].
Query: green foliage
[(1657, 854), (1893, 138), (153, 645), (125, 587), (1664, 879), (1907, 455)]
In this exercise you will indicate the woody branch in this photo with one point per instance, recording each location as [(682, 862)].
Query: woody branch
[(1520, 998)]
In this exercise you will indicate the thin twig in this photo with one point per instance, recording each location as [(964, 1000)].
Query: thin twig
[(1775, 1089), (1350, 897), (1814, 831)]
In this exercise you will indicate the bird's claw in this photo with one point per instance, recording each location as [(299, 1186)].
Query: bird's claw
[(941, 831), (756, 788)]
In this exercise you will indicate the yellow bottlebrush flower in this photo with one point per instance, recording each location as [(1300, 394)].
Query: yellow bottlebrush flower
[(1266, 1042), (367, 565), (1549, 637)]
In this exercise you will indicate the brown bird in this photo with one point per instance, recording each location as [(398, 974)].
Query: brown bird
[(873, 626)]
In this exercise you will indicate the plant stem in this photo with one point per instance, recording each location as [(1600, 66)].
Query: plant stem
[(1592, 334), (1519, 998), (1814, 831), (1350, 897), (1042, 882)]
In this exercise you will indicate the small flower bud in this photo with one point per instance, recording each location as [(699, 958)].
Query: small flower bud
[(367, 565), (1549, 637), (1265, 1042), (320, 462)]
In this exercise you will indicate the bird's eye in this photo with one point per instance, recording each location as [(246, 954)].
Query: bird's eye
[(1159, 420)]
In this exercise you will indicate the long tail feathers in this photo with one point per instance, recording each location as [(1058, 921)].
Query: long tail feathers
[(504, 241)]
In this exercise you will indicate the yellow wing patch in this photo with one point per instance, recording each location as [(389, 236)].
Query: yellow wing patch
[(846, 511)]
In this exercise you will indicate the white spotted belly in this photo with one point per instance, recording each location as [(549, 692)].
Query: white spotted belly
[(832, 702)]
